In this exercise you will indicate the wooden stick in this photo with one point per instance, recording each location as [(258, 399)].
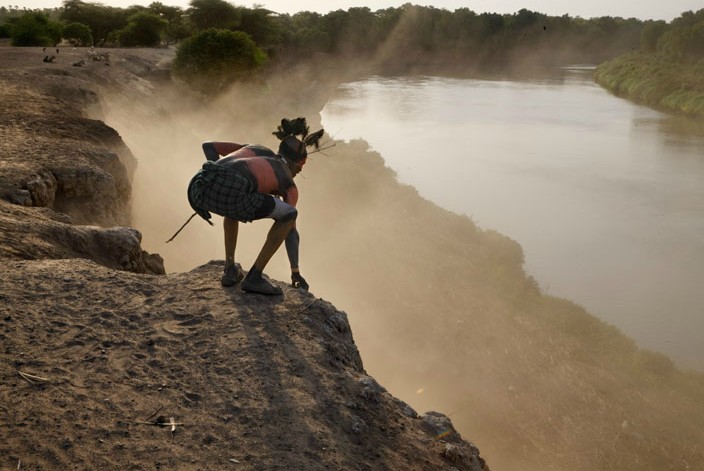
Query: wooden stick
[(184, 225), (159, 424), (155, 412), (32, 378), (321, 149)]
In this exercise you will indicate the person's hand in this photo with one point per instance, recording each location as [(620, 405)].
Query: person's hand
[(297, 281)]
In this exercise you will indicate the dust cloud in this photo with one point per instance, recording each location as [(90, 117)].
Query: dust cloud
[(441, 310)]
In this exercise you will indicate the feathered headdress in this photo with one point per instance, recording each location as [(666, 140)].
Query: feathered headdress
[(298, 127)]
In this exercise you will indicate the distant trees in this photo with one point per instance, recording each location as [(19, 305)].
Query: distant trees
[(177, 25), (101, 20), (683, 39), (391, 38), (34, 28), (412, 32), (652, 32)]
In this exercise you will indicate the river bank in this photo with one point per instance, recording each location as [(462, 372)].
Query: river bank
[(655, 80)]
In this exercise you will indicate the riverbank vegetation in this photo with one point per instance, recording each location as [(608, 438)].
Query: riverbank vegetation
[(406, 39), (668, 70), (653, 62)]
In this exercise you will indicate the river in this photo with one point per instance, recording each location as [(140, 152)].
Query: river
[(606, 197)]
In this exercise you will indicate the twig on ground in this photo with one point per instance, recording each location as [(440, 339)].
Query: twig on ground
[(306, 307), (155, 412), (33, 379), (160, 421)]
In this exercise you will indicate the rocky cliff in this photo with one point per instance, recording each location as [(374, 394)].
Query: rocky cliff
[(108, 363), (65, 178)]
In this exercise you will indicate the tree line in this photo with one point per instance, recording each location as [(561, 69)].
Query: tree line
[(395, 39), (358, 31)]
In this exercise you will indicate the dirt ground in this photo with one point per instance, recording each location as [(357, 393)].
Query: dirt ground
[(96, 364)]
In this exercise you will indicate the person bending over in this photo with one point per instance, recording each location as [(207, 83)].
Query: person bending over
[(252, 182)]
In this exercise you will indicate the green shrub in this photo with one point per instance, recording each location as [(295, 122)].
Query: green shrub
[(213, 59), (35, 29), (78, 34)]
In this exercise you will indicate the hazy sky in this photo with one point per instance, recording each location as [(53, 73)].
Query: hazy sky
[(642, 9)]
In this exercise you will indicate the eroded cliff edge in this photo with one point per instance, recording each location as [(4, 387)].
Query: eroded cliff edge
[(65, 177)]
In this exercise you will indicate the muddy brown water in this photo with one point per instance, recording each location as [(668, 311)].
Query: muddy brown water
[(606, 197)]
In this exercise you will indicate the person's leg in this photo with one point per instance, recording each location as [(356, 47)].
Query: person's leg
[(274, 239), (284, 218), (254, 282), (231, 227), (233, 273)]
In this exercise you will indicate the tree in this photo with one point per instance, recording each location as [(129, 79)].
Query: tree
[(652, 32), (101, 20), (176, 28), (4, 30), (34, 29), (143, 29), (78, 34), (673, 43), (695, 44), (219, 14), (213, 59), (259, 24)]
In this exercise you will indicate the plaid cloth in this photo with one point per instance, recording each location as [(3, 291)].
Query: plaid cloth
[(225, 191)]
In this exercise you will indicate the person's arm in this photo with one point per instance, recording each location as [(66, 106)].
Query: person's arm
[(213, 150), (293, 240)]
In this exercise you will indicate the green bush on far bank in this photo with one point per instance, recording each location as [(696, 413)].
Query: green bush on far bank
[(656, 80)]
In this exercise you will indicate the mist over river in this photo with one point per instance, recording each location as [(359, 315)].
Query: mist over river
[(606, 197)]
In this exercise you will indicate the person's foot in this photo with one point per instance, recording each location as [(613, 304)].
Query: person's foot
[(232, 275), (254, 282)]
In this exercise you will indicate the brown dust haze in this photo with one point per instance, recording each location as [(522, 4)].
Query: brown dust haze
[(441, 310)]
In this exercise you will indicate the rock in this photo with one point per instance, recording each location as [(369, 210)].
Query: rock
[(439, 426), (42, 188), (370, 389), (465, 457), (20, 197), (123, 243)]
